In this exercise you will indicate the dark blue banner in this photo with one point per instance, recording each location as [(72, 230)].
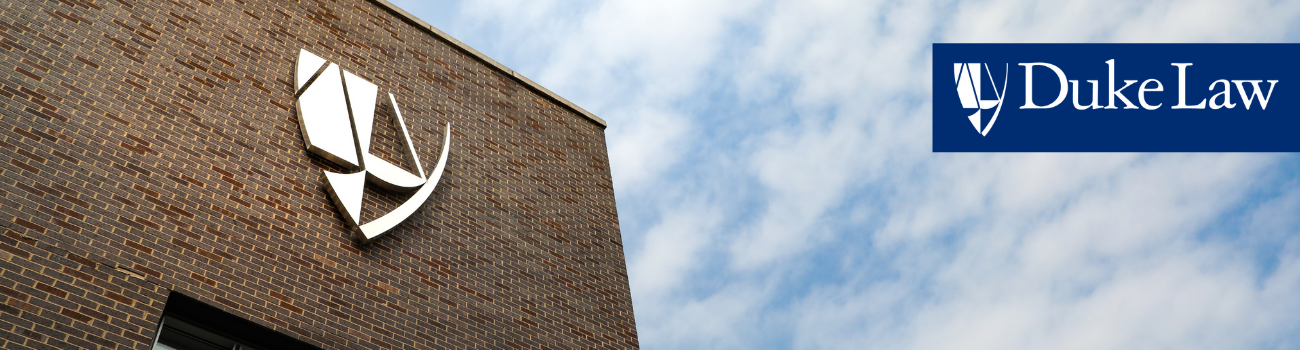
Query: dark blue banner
[(1116, 97)]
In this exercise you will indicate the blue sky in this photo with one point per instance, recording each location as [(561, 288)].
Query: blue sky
[(776, 188)]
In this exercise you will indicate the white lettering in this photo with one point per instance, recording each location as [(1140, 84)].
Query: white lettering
[(1221, 98), (1120, 92), (1029, 85), (1074, 84), (1142, 93), (1182, 88), (1226, 93), (1263, 99)]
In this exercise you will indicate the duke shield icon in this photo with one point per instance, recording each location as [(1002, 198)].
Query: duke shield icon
[(970, 91), (336, 111)]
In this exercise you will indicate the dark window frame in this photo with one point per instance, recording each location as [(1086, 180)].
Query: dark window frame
[(247, 334)]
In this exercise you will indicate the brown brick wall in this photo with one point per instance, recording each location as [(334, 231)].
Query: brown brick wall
[(148, 146)]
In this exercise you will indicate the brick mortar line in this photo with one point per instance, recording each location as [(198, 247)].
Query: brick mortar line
[(58, 244), (491, 62), (9, 224)]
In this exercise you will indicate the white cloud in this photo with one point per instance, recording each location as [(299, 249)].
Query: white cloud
[(723, 320), (1121, 21), (671, 250), (1118, 266), (644, 145)]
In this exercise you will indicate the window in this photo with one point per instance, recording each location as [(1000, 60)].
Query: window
[(174, 334), (188, 324)]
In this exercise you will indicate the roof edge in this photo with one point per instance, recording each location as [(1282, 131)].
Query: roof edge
[(491, 62)]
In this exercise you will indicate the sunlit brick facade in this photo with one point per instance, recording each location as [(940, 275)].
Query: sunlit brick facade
[(152, 147)]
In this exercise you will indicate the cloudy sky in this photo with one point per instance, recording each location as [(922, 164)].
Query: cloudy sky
[(776, 188)]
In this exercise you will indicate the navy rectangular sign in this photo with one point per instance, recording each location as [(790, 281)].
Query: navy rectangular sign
[(1116, 97)]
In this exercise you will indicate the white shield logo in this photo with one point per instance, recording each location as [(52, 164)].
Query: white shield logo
[(967, 76), (336, 111)]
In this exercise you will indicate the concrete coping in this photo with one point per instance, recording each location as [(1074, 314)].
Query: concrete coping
[(491, 62)]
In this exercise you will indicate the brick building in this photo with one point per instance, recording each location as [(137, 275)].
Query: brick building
[(153, 171)]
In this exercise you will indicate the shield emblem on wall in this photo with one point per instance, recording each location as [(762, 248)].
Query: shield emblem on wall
[(336, 111)]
